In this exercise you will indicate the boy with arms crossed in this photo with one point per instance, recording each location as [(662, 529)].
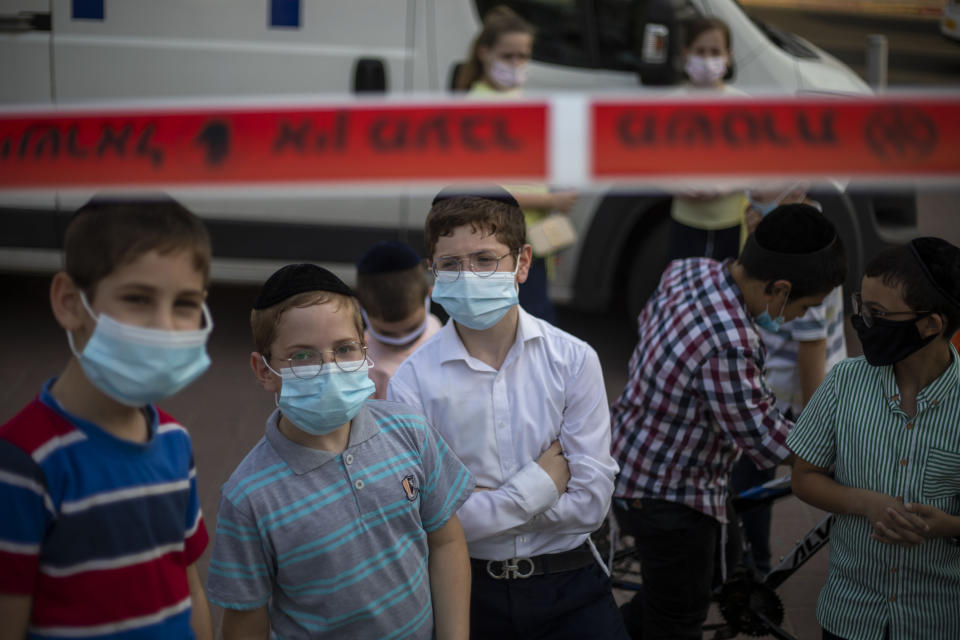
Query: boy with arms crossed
[(341, 522), (696, 399), (523, 405), (102, 525), (889, 425)]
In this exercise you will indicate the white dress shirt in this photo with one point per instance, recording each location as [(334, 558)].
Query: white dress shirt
[(498, 423)]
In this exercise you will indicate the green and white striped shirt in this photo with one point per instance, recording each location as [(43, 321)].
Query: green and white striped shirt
[(854, 422)]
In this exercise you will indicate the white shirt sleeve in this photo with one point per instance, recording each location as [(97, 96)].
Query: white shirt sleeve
[(585, 437), (492, 512)]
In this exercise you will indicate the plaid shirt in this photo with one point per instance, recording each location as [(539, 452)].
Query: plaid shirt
[(696, 395)]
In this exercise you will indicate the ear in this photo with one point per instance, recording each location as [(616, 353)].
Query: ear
[(932, 325), (525, 260), (66, 303), (778, 288), (267, 379)]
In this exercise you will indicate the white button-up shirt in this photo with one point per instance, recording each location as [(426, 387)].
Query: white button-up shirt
[(498, 422)]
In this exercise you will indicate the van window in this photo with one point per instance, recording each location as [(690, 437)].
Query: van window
[(582, 33), (561, 37)]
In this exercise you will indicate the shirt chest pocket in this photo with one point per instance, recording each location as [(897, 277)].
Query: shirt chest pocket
[(941, 475)]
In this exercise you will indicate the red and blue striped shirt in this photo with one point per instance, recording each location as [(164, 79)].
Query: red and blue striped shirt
[(98, 530)]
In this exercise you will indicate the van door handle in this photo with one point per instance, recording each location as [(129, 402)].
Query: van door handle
[(24, 21)]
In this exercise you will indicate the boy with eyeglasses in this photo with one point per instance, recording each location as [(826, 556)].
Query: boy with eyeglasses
[(341, 522), (101, 527), (522, 403), (888, 424)]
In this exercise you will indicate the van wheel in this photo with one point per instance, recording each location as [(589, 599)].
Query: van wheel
[(651, 244)]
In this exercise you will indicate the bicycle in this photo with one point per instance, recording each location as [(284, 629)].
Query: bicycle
[(748, 602)]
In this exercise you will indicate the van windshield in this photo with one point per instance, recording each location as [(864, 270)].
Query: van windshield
[(785, 40), (601, 34)]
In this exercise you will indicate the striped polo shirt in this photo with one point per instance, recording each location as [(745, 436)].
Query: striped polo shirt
[(854, 422), (98, 530), (336, 544)]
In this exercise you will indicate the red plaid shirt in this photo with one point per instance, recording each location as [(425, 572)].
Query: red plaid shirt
[(696, 395)]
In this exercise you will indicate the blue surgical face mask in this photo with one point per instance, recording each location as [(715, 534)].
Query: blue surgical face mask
[(764, 321), (325, 402), (478, 301), (135, 365), (399, 341)]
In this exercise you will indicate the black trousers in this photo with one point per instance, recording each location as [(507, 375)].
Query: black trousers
[(572, 605), (678, 549)]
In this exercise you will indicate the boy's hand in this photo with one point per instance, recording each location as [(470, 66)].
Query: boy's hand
[(940, 524), (892, 523), (553, 462)]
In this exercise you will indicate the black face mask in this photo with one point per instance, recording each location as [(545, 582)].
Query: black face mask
[(889, 341)]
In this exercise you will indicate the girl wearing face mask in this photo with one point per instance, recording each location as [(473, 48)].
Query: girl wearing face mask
[(498, 67), (706, 221)]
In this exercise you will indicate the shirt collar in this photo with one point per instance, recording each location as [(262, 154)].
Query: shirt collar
[(940, 390), (452, 349), (304, 459), (731, 285)]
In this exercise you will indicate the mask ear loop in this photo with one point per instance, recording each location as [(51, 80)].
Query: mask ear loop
[(96, 318)]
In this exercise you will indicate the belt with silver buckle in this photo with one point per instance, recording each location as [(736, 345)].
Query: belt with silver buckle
[(514, 568)]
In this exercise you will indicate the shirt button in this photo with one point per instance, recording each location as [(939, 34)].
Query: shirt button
[(933, 403), (903, 462), (909, 425), (348, 458), (893, 598), (358, 484), (893, 569)]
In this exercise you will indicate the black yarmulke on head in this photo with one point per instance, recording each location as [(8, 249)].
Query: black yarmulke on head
[(386, 257), (795, 229), (487, 191), (298, 278), (940, 262)]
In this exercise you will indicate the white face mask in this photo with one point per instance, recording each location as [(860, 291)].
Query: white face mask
[(399, 341), (507, 76), (705, 72)]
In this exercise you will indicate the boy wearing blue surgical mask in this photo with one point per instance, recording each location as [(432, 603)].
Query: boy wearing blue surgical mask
[(879, 446), (341, 522), (98, 485), (395, 302), (522, 403)]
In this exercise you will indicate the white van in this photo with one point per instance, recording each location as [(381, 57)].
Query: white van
[(65, 51)]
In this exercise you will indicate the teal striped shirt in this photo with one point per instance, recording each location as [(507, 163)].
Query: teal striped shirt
[(336, 544), (854, 422)]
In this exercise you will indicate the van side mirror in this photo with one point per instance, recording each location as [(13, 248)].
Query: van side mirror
[(369, 76), (659, 40)]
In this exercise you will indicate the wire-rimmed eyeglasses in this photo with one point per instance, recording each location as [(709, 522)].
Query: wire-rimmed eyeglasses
[(482, 263), (870, 315), (307, 363)]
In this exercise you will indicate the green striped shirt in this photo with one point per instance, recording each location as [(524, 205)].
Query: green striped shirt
[(854, 422)]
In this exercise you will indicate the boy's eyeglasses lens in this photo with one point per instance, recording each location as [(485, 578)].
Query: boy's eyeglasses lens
[(348, 357), (860, 310), (483, 263)]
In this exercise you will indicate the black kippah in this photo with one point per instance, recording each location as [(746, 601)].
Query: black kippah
[(385, 257), (487, 191), (298, 278), (940, 262)]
